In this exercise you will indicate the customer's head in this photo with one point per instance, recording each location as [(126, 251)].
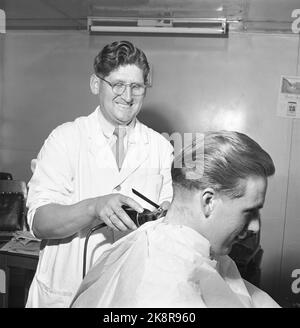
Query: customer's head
[(120, 79), (226, 172)]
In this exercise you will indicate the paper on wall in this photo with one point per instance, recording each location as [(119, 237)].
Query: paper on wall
[(288, 104)]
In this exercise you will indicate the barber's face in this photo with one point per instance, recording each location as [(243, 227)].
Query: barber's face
[(121, 109), (231, 218)]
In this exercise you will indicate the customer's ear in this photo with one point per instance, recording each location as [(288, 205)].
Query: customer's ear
[(208, 195), (94, 84)]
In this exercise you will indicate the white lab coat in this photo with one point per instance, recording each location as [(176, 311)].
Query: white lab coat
[(76, 163)]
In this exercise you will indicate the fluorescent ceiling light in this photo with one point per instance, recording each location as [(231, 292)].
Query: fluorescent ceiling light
[(158, 25)]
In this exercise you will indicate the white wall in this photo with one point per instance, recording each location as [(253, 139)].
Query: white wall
[(198, 84)]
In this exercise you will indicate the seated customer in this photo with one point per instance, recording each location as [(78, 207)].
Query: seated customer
[(181, 260)]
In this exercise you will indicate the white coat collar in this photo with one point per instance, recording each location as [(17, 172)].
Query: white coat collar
[(139, 134), (137, 153), (107, 127)]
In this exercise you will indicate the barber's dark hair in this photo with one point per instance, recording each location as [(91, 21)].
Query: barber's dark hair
[(120, 53), (221, 160)]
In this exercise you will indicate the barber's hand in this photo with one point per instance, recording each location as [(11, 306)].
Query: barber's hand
[(109, 209)]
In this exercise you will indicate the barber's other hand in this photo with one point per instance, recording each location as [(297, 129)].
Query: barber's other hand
[(109, 209)]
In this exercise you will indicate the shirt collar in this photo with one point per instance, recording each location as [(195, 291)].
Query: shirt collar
[(108, 128)]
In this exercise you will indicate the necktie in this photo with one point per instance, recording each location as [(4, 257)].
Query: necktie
[(120, 133)]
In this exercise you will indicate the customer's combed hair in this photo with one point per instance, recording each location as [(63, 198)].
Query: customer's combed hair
[(120, 53), (227, 159)]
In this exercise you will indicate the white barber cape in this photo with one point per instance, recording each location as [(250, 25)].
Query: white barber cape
[(165, 265), (76, 163)]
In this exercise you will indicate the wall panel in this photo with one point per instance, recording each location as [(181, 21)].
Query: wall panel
[(290, 269)]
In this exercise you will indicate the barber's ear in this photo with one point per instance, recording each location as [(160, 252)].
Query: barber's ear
[(208, 197), (94, 84)]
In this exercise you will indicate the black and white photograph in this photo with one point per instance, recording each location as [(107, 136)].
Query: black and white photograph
[(149, 156)]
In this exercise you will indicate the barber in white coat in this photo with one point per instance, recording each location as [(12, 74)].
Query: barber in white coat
[(77, 183)]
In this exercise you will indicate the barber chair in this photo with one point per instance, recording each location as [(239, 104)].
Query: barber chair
[(247, 254)]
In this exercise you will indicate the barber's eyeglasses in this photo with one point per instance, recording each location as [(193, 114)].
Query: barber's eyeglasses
[(118, 88)]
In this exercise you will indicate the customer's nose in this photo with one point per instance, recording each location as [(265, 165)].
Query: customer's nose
[(254, 224)]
